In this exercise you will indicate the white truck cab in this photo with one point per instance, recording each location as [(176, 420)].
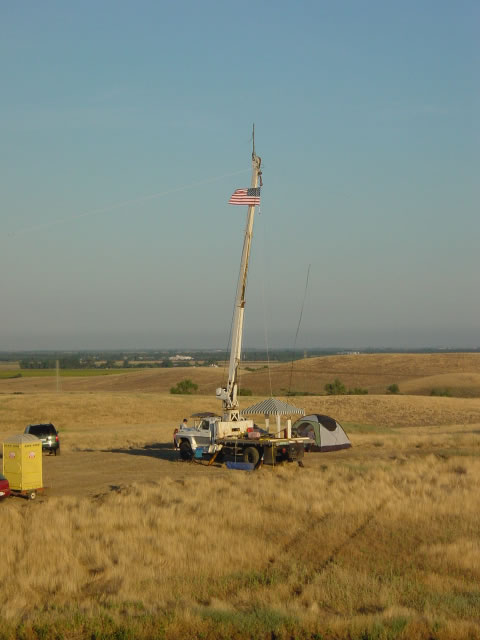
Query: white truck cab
[(206, 432)]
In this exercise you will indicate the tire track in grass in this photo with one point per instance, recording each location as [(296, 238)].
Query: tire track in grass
[(270, 573), (317, 568), (348, 540)]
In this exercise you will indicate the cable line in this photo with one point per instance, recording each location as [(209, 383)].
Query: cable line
[(298, 328)]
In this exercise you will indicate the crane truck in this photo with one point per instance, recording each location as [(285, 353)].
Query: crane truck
[(231, 436)]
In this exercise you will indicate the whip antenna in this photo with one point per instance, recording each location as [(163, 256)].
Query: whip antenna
[(298, 328)]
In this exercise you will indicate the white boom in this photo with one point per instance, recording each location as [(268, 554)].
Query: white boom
[(228, 394)]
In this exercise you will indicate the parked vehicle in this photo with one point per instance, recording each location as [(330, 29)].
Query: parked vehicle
[(4, 487), (241, 440), (47, 434)]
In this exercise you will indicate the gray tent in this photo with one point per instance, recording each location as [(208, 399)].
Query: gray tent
[(325, 432)]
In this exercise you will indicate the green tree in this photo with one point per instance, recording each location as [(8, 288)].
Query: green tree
[(335, 388), (184, 387), (393, 388)]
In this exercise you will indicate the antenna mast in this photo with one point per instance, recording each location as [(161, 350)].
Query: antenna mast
[(228, 394)]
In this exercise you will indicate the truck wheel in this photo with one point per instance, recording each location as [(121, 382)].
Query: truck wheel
[(252, 455), (186, 452), (31, 495)]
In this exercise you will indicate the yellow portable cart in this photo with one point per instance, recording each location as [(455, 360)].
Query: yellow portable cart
[(22, 464)]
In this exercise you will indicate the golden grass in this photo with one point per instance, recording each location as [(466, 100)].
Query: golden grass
[(380, 541), (456, 384), (374, 372), (71, 410), (341, 549)]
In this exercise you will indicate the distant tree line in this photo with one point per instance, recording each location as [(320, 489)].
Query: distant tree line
[(160, 357), (104, 361), (65, 362)]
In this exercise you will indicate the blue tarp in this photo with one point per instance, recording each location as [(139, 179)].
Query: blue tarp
[(242, 466)]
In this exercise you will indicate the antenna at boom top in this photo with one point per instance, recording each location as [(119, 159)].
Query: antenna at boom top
[(251, 197)]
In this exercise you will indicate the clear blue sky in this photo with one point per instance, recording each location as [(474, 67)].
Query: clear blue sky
[(367, 122)]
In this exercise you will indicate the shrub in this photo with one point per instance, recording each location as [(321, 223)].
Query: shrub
[(184, 387), (245, 392), (441, 392), (393, 388), (358, 391), (335, 388), (298, 393)]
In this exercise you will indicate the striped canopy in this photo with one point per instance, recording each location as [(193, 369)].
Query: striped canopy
[(272, 406)]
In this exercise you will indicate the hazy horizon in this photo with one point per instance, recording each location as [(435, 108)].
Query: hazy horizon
[(122, 343)]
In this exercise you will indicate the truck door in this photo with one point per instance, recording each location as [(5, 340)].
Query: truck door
[(204, 434)]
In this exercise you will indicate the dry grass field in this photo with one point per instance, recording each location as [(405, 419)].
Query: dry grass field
[(374, 372), (380, 541), (416, 374)]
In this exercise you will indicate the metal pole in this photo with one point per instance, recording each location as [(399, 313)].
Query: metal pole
[(230, 404)]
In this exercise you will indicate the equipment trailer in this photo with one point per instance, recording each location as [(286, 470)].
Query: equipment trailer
[(232, 436), (269, 451)]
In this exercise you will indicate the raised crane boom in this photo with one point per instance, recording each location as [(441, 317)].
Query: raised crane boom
[(228, 394)]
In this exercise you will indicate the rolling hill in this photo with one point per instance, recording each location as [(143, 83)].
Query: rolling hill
[(415, 374)]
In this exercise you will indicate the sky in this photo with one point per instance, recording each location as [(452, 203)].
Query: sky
[(126, 126)]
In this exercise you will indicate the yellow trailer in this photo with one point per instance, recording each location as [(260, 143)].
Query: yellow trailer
[(22, 464)]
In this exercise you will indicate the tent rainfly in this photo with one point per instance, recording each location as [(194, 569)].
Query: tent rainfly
[(277, 408), (325, 432)]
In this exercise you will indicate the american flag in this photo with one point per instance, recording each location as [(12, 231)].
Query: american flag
[(246, 196)]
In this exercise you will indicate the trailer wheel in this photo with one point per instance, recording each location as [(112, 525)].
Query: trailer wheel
[(252, 455), (31, 495), (186, 452)]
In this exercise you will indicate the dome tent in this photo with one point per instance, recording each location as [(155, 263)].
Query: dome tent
[(325, 432)]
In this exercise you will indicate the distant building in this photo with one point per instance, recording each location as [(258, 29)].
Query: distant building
[(179, 358)]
